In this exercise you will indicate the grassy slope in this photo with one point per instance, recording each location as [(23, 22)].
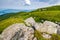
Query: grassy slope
[(55, 8), (49, 13)]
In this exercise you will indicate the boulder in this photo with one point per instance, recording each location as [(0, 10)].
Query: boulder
[(47, 26), (51, 27), (49, 23), (51, 30), (9, 32), (30, 21), (18, 31)]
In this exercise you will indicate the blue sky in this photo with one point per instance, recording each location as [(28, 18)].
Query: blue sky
[(27, 4)]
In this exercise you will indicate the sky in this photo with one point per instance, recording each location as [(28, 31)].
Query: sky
[(27, 4)]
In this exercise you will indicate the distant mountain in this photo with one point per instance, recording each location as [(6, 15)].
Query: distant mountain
[(11, 11)]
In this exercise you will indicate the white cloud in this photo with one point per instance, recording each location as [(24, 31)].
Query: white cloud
[(28, 2)]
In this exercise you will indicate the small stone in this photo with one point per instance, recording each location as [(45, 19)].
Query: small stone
[(47, 36), (35, 38), (42, 20)]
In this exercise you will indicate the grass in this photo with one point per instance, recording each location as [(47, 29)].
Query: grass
[(5, 23), (38, 35)]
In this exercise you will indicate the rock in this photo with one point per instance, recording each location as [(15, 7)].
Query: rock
[(51, 27), (48, 23), (35, 38), (42, 20), (47, 26), (18, 31), (17, 35), (38, 26), (43, 29), (30, 21), (52, 30), (58, 26), (47, 36), (9, 32), (1, 38), (58, 29)]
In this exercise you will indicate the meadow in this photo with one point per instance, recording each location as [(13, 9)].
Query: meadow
[(39, 15)]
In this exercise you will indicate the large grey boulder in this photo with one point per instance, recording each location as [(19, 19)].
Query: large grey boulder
[(46, 26), (18, 31), (9, 32), (30, 21), (49, 23), (51, 27), (52, 30)]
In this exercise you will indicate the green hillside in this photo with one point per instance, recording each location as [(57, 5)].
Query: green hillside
[(55, 8), (48, 13), (52, 8)]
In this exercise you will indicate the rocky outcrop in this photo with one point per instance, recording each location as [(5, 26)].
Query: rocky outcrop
[(18, 32), (51, 27), (47, 26)]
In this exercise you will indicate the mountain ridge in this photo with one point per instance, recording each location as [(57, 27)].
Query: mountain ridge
[(12, 11)]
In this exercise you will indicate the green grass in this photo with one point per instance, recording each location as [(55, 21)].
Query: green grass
[(5, 23), (39, 36), (50, 15)]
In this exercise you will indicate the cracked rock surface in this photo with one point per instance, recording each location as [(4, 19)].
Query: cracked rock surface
[(18, 32)]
